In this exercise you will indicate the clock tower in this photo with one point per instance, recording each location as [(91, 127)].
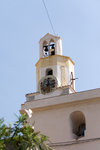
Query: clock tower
[(71, 119), (53, 70)]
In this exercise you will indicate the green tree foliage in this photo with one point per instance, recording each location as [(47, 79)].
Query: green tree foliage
[(21, 136)]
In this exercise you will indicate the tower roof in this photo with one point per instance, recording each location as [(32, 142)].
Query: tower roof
[(48, 35)]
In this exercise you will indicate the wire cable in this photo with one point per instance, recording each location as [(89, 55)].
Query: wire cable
[(48, 16)]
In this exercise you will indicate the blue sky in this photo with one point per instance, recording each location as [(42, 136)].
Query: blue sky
[(23, 23)]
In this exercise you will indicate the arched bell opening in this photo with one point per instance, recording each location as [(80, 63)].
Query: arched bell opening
[(52, 47), (45, 48), (78, 124)]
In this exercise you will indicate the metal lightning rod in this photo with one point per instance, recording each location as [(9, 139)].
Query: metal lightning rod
[(48, 16)]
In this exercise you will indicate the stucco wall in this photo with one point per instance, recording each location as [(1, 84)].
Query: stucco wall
[(55, 122), (52, 118)]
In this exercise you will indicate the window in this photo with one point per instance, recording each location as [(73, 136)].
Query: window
[(78, 124), (49, 72)]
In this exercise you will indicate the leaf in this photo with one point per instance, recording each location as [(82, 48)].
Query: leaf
[(21, 136)]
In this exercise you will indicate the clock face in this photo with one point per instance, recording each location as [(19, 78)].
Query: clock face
[(48, 84)]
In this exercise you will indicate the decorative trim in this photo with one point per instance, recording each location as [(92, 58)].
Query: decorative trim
[(73, 142), (67, 58)]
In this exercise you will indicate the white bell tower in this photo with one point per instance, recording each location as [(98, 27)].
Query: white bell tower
[(52, 64), (50, 45)]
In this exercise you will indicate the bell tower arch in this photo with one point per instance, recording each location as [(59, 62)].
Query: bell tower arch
[(50, 45)]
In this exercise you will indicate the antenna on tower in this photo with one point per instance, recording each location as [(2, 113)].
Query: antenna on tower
[(48, 16), (74, 79)]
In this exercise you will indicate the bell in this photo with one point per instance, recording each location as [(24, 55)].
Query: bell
[(52, 46), (45, 48)]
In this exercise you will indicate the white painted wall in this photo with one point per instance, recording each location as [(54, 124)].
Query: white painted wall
[(52, 118), (55, 122)]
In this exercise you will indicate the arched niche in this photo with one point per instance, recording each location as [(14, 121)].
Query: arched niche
[(78, 124), (49, 71), (52, 47)]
